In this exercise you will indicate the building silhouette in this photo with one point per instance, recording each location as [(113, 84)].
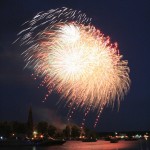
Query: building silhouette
[(30, 123)]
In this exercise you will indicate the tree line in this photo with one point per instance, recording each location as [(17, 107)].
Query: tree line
[(71, 131)]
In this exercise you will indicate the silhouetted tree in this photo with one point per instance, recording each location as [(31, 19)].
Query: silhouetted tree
[(42, 127), (75, 131), (67, 131), (19, 127), (89, 133), (72, 131), (51, 130), (59, 135), (5, 129)]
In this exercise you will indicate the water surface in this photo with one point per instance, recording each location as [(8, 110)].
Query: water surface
[(99, 145)]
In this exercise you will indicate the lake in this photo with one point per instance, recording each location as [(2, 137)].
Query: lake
[(99, 145)]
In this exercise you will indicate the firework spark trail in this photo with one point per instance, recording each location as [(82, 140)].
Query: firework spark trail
[(85, 116), (98, 115), (75, 59)]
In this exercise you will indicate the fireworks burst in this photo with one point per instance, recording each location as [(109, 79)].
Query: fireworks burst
[(75, 59)]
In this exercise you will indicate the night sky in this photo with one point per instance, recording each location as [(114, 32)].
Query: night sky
[(125, 21)]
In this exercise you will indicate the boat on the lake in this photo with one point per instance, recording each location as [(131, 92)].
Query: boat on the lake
[(114, 140), (89, 140)]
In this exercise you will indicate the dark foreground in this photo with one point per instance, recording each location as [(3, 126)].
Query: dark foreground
[(99, 145), (31, 143)]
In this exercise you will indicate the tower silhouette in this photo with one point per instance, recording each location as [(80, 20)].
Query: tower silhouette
[(30, 123)]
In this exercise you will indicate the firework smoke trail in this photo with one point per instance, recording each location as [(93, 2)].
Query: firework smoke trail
[(75, 59)]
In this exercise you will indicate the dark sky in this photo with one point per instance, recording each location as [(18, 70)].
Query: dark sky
[(125, 21)]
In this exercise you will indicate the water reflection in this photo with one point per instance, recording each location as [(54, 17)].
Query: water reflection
[(99, 145), (34, 148), (144, 144)]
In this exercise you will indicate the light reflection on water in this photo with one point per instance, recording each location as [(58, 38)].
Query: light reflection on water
[(99, 145)]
